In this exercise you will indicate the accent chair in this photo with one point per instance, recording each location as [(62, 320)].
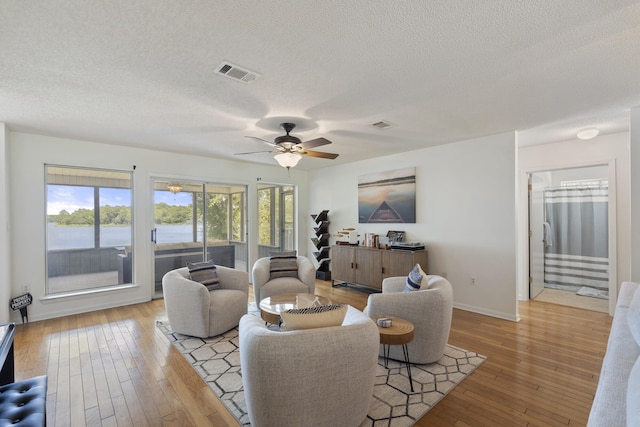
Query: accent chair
[(310, 377), (194, 310), (264, 286), (429, 310)]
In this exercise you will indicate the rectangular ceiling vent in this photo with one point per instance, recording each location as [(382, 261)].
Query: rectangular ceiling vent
[(381, 124), (237, 73)]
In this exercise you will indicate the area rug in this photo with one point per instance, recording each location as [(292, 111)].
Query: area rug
[(217, 361)]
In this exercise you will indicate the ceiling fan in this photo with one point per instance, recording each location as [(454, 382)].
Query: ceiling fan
[(289, 149)]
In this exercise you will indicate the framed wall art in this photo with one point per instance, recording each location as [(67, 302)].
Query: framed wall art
[(387, 197)]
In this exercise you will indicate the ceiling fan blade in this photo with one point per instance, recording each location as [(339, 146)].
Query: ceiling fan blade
[(314, 143), (252, 152), (261, 140), (318, 154)]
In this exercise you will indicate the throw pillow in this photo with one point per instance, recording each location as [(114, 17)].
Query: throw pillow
[(414, 279), (321, 316), (283, 264), (205, 273)]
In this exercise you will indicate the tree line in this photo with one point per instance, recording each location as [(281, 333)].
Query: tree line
[(121, 215)]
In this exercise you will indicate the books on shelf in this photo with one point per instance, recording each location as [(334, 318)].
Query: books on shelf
[(371, 240), (322, 253)]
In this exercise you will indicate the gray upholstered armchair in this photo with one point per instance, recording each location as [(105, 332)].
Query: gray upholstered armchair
[(194, 310), (264, 286), (429, 310), (312, 377)]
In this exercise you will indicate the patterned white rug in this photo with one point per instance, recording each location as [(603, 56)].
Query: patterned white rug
[(217, 361)]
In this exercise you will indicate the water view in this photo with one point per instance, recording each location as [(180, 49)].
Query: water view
[(70, 237)]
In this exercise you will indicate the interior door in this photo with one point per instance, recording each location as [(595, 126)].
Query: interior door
[(536, 235)]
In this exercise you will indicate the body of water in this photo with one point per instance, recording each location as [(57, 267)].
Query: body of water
[(82, 237)]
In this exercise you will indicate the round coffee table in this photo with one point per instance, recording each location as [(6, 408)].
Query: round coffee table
[(271, 307), (399, 333)]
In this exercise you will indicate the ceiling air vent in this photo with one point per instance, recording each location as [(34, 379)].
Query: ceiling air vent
[(381, 124), (235, 72)]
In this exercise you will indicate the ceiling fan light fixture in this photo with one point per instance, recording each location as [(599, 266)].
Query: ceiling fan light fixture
[(589, 133), (287, 160)]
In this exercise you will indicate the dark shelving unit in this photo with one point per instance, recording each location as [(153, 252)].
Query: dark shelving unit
[(321, 243)]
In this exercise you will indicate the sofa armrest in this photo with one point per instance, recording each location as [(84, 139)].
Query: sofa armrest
[(186, 302), (307, 273), (230, 278), (394, 284), (391, 304)]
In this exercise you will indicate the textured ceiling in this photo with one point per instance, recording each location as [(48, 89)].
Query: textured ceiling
[(142, 73)]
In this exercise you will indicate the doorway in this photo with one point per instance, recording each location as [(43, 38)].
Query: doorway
[(569, 263), (276, 219), (197, 221)]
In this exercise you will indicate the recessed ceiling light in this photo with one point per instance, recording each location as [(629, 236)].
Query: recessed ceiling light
[(588, 133)]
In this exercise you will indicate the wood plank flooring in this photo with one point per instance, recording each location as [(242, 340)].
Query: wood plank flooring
[(115, 368)]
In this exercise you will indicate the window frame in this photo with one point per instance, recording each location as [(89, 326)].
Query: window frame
[(102, 179)]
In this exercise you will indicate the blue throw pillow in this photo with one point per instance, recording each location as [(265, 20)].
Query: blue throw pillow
[(414, 279)]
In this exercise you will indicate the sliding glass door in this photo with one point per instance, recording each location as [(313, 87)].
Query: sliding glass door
[(197, 221), (276, 219)]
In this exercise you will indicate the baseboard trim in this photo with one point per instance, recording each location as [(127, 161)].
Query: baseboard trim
[(484, 311)]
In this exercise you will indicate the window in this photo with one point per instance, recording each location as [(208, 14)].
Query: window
[(276, 219), (89, 228)]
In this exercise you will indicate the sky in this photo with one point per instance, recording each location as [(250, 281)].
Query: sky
[(69, 198)]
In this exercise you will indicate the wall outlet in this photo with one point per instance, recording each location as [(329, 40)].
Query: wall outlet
[(26, 288), (473, 281), (444, 275)]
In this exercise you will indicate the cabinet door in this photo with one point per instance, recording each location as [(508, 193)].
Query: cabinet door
[(342, 263), (399, 263), (368, 268)]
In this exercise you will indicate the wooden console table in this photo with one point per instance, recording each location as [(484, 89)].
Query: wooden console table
[(365, 266)]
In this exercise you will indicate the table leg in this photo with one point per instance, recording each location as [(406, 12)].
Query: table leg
[(385, 352), (405, 350)]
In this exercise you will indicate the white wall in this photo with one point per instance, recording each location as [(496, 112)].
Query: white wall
[(29, 153), (602, 150), (5, 267), (465, 214), (634, 193)]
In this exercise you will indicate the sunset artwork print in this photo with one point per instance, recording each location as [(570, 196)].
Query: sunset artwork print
[(387, 197)]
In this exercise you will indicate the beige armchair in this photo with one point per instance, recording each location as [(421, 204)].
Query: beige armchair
[(312, 377), (429, 310), (194, 310), (264, 287)]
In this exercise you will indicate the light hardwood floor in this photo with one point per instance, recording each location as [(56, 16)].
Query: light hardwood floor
[(115, 368)]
